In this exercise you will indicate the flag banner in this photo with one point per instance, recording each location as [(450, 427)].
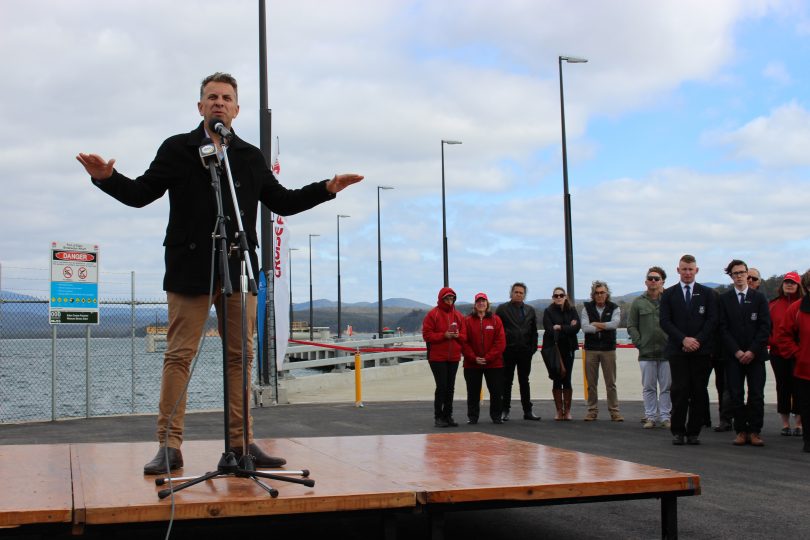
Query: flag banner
[(281, 286)]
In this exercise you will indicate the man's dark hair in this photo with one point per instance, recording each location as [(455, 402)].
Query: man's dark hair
[(219, 77), (733, 263), (518, 284), (658, 270), (688, 259)]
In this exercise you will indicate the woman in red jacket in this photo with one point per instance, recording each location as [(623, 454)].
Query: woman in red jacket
[(793, 340), (483, 358), (443, 331), (782, 364)]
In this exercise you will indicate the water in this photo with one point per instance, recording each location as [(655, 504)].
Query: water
[(120, 383)]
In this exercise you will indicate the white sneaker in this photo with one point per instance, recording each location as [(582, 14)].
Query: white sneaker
[(666, 424), (649, 423)]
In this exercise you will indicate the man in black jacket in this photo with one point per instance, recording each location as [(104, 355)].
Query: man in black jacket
[(177, 168), (689, 317), (520, 324), (745, 324)]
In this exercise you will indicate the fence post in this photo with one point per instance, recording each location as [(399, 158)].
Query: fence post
[(358, 379), (53, 372), (87, 372), (132, 341)]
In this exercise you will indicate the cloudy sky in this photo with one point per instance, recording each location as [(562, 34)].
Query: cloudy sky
[(688, 131)]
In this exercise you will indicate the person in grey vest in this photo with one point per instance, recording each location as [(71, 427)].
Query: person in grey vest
[(600, 319)]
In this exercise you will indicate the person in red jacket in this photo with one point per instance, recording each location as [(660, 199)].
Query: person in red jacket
[(793, 339), (789, 291), (444, 331), (483, 358)]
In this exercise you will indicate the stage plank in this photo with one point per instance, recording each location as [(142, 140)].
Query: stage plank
[(473, 467), (35, 484), (114, 490)]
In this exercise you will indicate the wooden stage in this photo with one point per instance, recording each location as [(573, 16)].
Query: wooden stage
[(94, 484)]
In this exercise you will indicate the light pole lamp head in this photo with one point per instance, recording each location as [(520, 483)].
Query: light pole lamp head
[(342, 216), (573, 59), (450, 142), (384, 187)]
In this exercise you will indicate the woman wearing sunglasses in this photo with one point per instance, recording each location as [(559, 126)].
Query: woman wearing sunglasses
[(561, 325)]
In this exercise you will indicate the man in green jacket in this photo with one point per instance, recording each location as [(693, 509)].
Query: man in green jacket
[(650, 340)]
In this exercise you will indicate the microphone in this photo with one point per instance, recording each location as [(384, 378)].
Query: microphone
[(208, 152), (217, 126)]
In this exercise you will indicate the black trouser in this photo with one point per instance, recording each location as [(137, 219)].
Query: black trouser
[(564, 383), (802, 387), (523, 362), (748, 417), (785, 392), (444, 373), (494, 377), (690, 397), (723, 396)]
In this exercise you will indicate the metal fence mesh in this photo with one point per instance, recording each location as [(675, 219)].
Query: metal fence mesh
[(66, 371)]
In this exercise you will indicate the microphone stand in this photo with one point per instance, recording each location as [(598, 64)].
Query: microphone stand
[(228, 466)]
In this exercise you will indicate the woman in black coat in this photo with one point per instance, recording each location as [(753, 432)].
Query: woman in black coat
[(561, 325)]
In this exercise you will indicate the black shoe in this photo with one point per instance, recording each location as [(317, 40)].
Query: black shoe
[(497, 421), (260, 459), (806, 446), (531, 416), (472, 421), (505, 416), (158, 463), (722, 426), (440, 422), (677, 440), (451, 422), (692, 439)]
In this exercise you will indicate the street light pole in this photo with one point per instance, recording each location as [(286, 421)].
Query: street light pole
[(338, 272), (311, 322), (444, 222), (379, 268), (569, 241), (289, 271)]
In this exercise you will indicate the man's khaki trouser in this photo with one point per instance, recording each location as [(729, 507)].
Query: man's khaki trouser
[(188, 315), (607, 359)]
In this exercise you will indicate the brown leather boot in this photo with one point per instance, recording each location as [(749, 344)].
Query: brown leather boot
[(567, 394), (558, 402)]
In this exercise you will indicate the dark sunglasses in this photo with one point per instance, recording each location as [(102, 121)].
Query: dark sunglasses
[(653, 278), (752, 278), (558, 295)]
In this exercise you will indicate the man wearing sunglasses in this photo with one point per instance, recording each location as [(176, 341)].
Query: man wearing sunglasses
[(645, 331), (754, 278)]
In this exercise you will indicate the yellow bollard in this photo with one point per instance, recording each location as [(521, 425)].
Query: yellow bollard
[(584, 377), (358, 380)]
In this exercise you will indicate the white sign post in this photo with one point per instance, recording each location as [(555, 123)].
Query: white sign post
[(74, 283)]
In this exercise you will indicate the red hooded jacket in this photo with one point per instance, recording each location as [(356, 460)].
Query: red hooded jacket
[(486, 339), (793, 336), (436, 323)]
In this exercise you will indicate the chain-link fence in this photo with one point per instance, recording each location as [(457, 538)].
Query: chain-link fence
[(64, 371)]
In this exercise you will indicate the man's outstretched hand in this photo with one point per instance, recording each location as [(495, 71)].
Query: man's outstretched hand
[(97, 167), (338, 183)]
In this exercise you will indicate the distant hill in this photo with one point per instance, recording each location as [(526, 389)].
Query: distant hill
[(402, 303)]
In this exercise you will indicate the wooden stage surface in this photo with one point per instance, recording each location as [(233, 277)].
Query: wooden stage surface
[(94, 484)]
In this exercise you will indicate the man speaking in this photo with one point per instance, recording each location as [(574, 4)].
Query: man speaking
[(177, 168)]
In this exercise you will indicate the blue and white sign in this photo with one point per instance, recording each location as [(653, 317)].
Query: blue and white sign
[(74, 283)]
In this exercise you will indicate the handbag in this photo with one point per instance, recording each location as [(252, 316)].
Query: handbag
[(554, 362)]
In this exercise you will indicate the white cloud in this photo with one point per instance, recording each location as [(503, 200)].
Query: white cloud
[(777, 72), (372, 87), (780, 140)]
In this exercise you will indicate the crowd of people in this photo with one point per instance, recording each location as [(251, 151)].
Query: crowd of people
[(682, 333)]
